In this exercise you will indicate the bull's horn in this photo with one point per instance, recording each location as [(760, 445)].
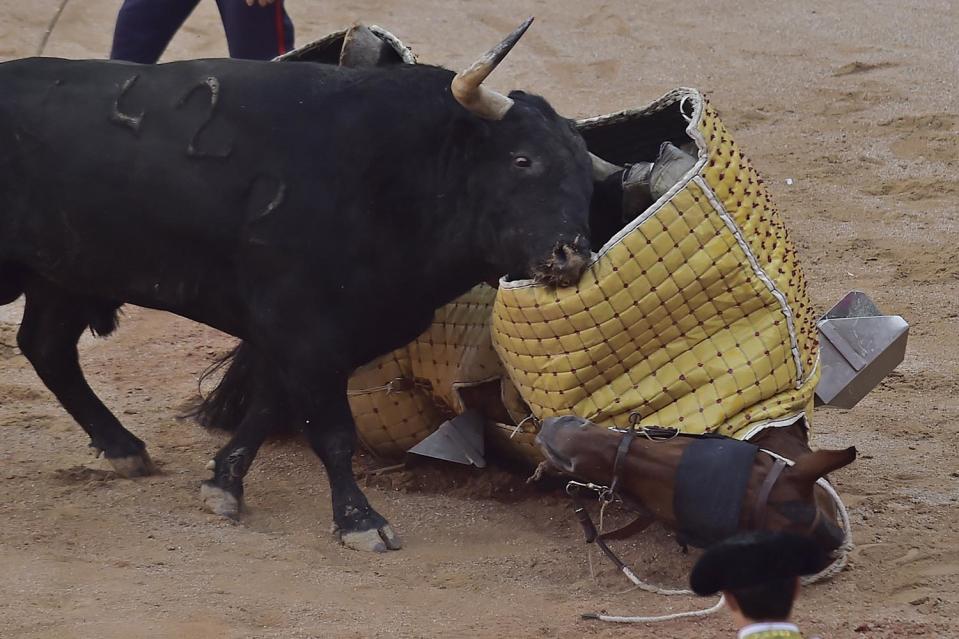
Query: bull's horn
[(602, 169), (468, 86)]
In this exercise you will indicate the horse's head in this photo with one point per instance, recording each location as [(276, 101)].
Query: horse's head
[(797, 505)]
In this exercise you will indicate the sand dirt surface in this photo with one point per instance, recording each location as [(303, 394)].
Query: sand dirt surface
[(855, 103)]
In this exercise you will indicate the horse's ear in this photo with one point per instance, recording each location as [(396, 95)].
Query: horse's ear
[(822, 462)]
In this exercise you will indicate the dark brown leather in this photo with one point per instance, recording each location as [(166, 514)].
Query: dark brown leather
[(621, 452), (643, 521)]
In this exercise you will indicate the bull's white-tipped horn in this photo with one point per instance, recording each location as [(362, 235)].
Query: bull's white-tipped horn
[(468, 86)]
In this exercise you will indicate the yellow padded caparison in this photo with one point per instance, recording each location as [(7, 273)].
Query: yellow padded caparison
[(694, 316), (402, 397)]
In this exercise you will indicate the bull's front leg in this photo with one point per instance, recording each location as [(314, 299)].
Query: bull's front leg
[(332, 434)]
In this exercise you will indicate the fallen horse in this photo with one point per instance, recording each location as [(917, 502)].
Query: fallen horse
[(266, 200)]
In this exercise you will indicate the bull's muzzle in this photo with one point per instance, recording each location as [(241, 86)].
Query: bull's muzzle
[(565, 264)]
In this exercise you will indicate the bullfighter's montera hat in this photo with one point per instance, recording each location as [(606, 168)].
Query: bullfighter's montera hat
[(753, 559)]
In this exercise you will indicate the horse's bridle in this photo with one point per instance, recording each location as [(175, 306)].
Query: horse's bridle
[(762, 499)]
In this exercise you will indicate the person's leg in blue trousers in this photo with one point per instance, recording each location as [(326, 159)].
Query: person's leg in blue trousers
[(256, 33), (145, 28)]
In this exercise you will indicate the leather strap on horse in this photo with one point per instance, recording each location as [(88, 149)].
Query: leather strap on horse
[(593, 536), (759, 511), (621, 451), (642, 521)]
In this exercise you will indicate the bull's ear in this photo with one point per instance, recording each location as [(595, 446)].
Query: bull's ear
[(822, 462)]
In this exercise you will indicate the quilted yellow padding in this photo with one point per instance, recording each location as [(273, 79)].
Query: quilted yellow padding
[(695, 316), (402, 397)]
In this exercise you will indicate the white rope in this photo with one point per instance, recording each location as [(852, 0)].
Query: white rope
[(653, 588), (520, 425), (841, 555), (50, 27), (654, 619), (648, 587), (682, 108), (397, 385)]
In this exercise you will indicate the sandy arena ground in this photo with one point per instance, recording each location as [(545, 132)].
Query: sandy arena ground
[(856, 103)]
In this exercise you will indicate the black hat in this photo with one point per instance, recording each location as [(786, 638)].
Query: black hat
[(753, 559)]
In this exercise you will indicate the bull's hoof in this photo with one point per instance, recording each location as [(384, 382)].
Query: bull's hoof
[(373, 540), (219, 501), (130, 466)]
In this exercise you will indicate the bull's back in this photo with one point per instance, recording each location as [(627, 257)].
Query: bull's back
[(137, 181), (195, 134)]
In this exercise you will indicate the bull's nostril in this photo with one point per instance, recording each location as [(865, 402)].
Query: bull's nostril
[(565, 264)]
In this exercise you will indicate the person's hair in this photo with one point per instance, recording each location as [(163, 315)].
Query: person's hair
[(771, 601)]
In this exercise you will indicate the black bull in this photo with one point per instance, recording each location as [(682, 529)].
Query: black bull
[(319, 214)]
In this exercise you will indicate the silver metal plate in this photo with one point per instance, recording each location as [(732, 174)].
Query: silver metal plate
[(859, 346), (459, 440)]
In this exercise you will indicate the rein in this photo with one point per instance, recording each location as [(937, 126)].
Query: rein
[(609, 494)]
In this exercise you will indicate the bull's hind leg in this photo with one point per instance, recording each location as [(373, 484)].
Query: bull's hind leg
[(53, 321), (223, 494), (308, 380)]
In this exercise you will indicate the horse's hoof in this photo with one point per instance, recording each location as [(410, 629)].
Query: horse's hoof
[(219, 501), (133, 465), (373, 540)]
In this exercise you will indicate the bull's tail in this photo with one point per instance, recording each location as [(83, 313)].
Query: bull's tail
[(225, 406)]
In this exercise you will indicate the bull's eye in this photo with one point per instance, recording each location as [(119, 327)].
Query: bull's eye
[(522, 162)]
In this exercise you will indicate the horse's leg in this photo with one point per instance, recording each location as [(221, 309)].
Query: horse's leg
[(328, 425), (53, 321)]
